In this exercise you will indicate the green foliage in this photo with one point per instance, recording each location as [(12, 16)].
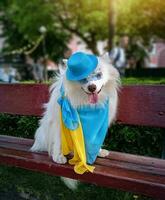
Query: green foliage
[(141, 18), (143, 81), (20, 126), (30, 15), (21, 22), (136, 140), (85, 18)]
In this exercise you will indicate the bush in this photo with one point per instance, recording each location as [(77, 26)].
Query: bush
[(20, 126), (131, 139), (146, 72), (135, 139)]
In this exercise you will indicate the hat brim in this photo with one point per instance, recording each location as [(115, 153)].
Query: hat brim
[(70, 76)]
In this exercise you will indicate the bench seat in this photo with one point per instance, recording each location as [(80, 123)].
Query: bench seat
[(123, 171)]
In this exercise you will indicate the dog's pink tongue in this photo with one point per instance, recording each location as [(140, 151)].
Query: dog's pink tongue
[(93, 98)]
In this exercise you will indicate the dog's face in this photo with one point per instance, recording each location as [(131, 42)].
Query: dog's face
[(92, 85), (94, 88)]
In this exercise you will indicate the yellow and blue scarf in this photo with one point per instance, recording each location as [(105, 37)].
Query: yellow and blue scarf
[(83, 132)]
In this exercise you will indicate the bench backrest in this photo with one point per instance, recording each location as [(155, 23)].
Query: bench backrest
[(138, 105)]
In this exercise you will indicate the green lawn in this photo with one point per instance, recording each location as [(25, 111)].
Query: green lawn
[(140, 81), (133, 81), (22, 184)]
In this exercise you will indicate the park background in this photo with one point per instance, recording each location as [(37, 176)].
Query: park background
[(53, 29), (44, 32)]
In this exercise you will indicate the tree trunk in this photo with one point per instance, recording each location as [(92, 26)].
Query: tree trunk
[(112, 21), (93, 47)]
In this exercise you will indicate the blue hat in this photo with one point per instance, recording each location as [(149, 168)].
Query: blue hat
[(80, 65)]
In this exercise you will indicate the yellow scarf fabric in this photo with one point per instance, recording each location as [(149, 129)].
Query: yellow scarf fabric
[(73, 141)]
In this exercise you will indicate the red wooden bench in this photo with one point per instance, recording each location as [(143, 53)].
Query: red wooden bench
[(139, 105)]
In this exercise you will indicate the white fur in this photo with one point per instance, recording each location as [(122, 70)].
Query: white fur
[(48, 137)]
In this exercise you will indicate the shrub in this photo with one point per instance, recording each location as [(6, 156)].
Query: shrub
[(131, 139), (20, 126)]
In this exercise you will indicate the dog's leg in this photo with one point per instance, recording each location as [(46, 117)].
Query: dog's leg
[(48, 136), (103, 153), (40, 143), (54, 135), (56, 153), (112, 115), (113, 107)]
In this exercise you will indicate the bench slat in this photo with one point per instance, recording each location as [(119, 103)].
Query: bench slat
[(118, 156), (142, 105), (23, 99), (148, 180), (138, 105), (154, 162), (103, 162)]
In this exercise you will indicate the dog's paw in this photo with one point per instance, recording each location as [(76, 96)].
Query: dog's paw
[(59, 158), (103, 153)]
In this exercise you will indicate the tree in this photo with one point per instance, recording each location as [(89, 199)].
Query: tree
[(141, 18), (85, 18), (112, 23), (21, 21), (89, 19)]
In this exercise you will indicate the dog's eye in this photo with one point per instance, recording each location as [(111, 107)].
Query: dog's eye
[(83, 81), (99, 75)]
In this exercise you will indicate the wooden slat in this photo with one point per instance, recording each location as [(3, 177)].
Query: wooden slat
[(138, 105), (142, 105), (129, 175), (24, 144), (143, 160), (127, 164), (23, 99), (15, 140)]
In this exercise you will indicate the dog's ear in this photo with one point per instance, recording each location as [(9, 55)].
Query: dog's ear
[(106, 57), (64, 61), (63, 66)]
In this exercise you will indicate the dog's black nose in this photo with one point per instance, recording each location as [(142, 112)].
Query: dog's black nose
[(92, 87)]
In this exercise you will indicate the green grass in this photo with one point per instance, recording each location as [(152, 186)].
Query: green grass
[(130, 81), (143, 81), (23, 183)]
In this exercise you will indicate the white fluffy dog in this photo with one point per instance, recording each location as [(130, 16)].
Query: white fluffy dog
[(48, 136)]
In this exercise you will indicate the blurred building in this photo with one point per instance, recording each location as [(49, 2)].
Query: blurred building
[(157, 55)]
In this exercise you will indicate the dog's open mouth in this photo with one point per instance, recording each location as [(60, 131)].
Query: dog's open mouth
[(92, 97)]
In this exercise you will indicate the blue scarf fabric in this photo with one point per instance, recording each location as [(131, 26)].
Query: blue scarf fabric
[(94, 121)]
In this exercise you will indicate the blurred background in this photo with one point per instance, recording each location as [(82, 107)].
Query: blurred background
[(36, 35)]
